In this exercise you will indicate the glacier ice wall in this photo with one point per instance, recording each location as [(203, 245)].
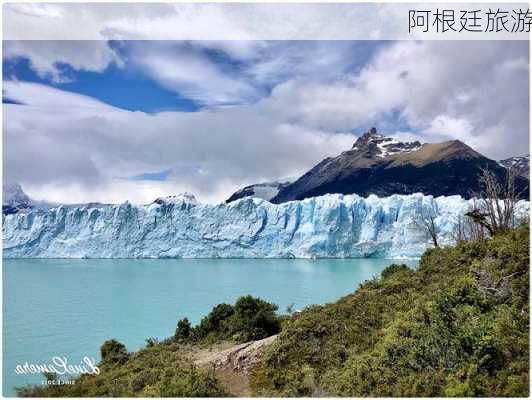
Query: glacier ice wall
[(325, 226)]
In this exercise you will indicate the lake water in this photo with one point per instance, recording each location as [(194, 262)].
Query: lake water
[(68, 308)]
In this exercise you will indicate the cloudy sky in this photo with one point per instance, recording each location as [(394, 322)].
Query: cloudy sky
[(116, 120)]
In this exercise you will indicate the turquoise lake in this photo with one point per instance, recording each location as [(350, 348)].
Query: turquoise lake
[(68, 308)]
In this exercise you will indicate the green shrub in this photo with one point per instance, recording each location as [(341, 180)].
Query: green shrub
[(113, 351), (250, 318), (183, 329), (216, 321), (394, 269), (253, 319)]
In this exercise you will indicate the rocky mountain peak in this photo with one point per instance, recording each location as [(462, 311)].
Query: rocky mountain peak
[(369, 137), (374, 144)]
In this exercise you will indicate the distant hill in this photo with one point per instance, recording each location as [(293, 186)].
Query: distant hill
[(14, 199), (381, 165), (522, 164), (265, 191)]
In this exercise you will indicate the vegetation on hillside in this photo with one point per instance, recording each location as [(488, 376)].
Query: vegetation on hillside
[(160, 370), (457, 326)]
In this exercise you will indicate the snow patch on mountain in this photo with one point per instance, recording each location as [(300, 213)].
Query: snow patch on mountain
[(383, 146), (389, 146), (265, 190)]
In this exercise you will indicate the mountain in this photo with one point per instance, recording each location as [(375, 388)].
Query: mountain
[(327, 226), (522, 164), (14, 199), (13, 194), (380, 165), (265, 191)]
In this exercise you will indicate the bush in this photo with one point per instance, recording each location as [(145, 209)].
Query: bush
[(183, 329), (113, 351), (254, 319), (215, 321), (250, 318), (394, 269)]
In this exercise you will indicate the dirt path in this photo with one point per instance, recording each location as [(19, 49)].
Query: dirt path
[(233, 363)]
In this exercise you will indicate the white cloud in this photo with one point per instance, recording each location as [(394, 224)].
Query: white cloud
[(42, 10), (185, 69), (203, 21), (228, 72), (87, 151), (45, 56), (212, 73), (229, 21), (62, 145), (43, 97)]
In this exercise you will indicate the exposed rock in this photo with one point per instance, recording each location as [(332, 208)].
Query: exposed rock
[(377, 145), (239, 358)]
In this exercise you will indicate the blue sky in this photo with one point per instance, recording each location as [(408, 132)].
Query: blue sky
[(120, 87), (133, 120), (130, 87)]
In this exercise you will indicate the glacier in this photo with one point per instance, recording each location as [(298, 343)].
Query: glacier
[(332, 225)]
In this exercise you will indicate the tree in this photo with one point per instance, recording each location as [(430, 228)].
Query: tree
[(466, 229), (427, 221), (183, 329), (495, 209), (151, 342), (290, 308)]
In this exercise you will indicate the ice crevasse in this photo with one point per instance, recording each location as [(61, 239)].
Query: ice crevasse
[(327, 226)]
